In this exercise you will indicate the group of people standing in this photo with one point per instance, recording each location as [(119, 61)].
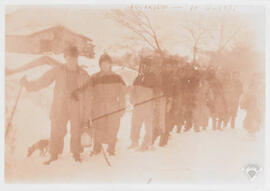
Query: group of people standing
[(183, 97)]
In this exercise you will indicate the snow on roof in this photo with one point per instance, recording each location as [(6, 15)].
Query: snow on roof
[(34, 30), (26, 30)]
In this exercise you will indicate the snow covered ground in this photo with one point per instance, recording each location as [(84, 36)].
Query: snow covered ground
[(205, 157)]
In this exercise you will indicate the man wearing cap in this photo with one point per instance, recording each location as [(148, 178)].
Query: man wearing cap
[(108, 101), (67, 77)]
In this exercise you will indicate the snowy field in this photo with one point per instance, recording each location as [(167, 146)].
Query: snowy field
[(189, 158)]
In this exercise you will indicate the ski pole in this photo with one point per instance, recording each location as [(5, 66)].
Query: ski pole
[(105, 156), (13, 111), (122, 109)]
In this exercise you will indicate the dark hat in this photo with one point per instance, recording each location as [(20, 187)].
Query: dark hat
[(104, 57)]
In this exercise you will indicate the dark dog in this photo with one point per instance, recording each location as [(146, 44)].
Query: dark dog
[(42, 145)]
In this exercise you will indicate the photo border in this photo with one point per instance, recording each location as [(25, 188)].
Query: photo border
[(4, 186)]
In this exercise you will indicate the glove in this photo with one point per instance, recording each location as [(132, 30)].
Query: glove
[(129, 107)]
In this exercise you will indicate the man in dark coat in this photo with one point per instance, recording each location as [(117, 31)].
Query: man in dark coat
[(224, 110), (216, 101), (108, 97), (67, 78), (190, 83), (201, 113), (168, 86)]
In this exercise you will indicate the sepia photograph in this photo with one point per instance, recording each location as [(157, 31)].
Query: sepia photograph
[(134, 94)]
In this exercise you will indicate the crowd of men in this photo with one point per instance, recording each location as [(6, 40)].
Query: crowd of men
[(184, 97)]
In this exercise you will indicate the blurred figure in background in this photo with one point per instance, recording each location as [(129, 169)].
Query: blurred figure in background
[(167, 103), (201, 112), (190, 85), (226, 100), (249, 102), (216, 99), (237, 91)]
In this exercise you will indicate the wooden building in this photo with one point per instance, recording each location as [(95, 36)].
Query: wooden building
[(51, 40)]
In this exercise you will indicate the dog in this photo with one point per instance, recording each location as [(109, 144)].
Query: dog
[(41, 145)]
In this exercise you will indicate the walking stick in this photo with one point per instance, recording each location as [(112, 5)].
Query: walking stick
[(103, 151), (107, 114), (123, 109), (13, 112), (105, 156)]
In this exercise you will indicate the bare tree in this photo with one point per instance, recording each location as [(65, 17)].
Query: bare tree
[(229, 29), (139, 23), (205, 32), (195, 32)]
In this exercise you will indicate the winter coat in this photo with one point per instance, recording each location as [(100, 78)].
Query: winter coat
[(108, 96), (201, 112), (66, 82), (249, 102)]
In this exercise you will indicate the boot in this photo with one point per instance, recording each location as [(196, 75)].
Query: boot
[(143, 148), (187, 129), (111, 150), (179, 128), (133, 145), (214, 124), (53, 157), (197, 129), (94, 153), (77, 157), (163, 139), (219, 125), (233, 123), (96, 149)]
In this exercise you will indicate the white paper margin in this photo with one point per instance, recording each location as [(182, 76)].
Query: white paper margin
[(117, 187)]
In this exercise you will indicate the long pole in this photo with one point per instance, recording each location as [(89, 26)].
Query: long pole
[(122, 109), (13, 112)]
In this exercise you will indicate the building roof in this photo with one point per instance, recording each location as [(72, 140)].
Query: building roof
[(21, 43), (60, 27)]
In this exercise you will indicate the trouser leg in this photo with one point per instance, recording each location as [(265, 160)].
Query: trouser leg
[(97, 147), (58, 132), (148, 123), (219, 123), (99, 133), (189, 121), (75, 131), (167, 123), (214, 121), (180, 121), (113, 135), (196, 127), (233, 122), (136, 123), (158, 118), (234, 113)]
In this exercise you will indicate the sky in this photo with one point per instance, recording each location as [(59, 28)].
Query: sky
[(107, 35)]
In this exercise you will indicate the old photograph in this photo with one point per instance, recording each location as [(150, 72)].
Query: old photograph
[(134, 94)]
